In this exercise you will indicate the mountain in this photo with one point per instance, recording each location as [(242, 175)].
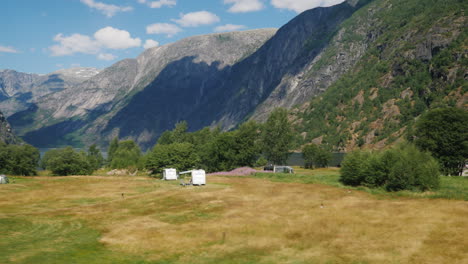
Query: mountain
[(275, 76), (18, 90), (413, 57), (209, 96), (6, 135), (354, 74), (171, 80)]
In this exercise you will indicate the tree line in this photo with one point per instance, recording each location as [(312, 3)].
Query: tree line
[(441, 134)]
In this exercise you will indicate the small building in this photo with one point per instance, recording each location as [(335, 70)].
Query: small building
[(4, 179), (198, 177), (170, 174)]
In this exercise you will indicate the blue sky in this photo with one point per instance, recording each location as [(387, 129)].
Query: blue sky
[(42, 36)]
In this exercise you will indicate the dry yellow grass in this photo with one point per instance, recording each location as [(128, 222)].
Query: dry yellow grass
[(246, 220)]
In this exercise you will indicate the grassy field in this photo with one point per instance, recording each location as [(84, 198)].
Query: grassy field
[(262, 219)]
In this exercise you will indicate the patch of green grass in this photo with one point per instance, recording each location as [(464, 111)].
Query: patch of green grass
[(455, 188), (452, 188), (331, 179), (60, 240)]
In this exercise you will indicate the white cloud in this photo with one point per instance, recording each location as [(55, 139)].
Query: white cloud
[(196, 19), (8, 49), (106, 9), (113, 38), (303, 5), (243, 6), (105, 38), (75, 43), (161, 3), (229, 27), (106, 57), (163, 28), (149, 43)]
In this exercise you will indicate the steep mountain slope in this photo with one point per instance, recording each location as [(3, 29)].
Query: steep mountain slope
[(95, 109), (6, 136), (271, 74), (18, 90), (417, 60)]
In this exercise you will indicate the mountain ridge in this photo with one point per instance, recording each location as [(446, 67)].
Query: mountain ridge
[(353, 75)]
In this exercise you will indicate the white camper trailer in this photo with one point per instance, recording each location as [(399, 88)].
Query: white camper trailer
[(4, 179), (170, 174), (198, 177)]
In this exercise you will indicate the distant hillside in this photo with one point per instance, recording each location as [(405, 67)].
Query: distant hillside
[(19, 90)]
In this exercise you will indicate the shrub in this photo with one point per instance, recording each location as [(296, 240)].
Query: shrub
[(66, 161), (18, 159), (413, 170), (354, 168), (401, 168)]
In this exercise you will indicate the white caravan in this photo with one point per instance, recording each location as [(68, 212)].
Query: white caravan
[(170, 174), (198, 177)]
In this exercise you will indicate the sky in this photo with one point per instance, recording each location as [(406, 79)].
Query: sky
[(42, 36)]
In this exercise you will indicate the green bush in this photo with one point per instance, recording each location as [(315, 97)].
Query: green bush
[(400, 168), (66, 161), (354, 168), (18, 159), (413, 170)]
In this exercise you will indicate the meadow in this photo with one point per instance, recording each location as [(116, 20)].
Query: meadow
[(267, 218)]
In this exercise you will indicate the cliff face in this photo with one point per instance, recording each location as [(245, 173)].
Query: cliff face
[(6, 135), (273, 76)]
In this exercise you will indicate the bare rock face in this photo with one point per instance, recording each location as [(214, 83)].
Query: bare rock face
[(277, 74), (6, 135), (19, 90)]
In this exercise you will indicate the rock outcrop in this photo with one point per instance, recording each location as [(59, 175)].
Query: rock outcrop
[(6, 135)]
